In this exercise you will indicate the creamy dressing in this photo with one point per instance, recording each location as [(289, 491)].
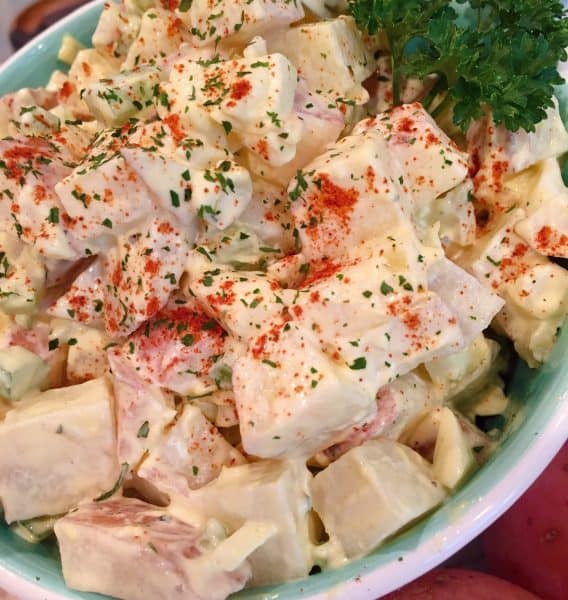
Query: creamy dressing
[(244, 299)]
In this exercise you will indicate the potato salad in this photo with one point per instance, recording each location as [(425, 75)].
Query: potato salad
[(256, 317)]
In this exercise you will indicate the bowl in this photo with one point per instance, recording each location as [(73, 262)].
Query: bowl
[(534, 435)]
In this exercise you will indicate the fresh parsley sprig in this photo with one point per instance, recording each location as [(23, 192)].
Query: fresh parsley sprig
[(401, 23), (496, 54)]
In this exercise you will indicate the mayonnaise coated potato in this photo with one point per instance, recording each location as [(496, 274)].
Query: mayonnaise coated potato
[(252, 315)]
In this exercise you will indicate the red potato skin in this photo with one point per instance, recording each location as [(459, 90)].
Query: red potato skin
[(459, 584), (529, 543)]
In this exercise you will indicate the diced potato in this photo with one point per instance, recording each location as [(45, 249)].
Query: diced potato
[(114, 100), (519, 149), (129, 304), (359, 325), (36, 337), (258, 112), (420, 435), (129, 549), (188, 456), (409, 396), (273, 492), (85, 347), (292, 404), (541, 192), (472, 303), (243, 305), (118, 27), (159, 33), (166, 176), (322, 124), (240, 20), (57, 450), (330, 55), (177, 350), (89, 66), (347, 196), (142, 413), (20, 372), (28, 186), (83, 300), (535, 290), (532, 320), (222, 405), (69, 48), (371, 492), (14, 105), (100, 192), (86, 358), (239, 246), (39, 122), (453, 458), (430, 161), (188, 192)]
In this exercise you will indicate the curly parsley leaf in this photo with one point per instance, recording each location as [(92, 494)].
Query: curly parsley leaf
[(496, 54), (401, 22)]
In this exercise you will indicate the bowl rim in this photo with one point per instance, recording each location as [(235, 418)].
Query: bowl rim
[(469, 520), (37, 41)]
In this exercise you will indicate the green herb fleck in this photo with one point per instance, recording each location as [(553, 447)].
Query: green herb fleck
[(358, 364), (144, 430)]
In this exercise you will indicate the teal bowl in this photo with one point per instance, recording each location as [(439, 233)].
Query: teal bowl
[(535, 434)]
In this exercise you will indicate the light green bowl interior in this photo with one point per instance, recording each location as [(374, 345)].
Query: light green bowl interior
[(536, 394)]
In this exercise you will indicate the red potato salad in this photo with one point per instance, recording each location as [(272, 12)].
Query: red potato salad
[(263, 267)]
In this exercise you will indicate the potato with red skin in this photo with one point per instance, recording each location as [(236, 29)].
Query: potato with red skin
[(459, 584), (529, 543)]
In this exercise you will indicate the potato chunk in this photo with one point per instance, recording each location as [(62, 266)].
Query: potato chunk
[(274, 492), (57, 451), (130, 549), (371, 492)]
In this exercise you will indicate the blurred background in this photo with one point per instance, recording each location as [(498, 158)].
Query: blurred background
[(20, 20), (9, 10)]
